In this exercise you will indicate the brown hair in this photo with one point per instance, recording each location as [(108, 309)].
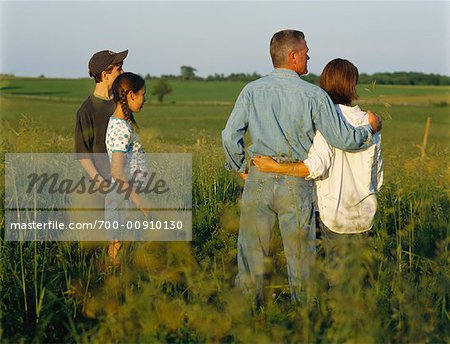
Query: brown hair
[(125, 83), (108, 70), (339, 79), (282, 43)]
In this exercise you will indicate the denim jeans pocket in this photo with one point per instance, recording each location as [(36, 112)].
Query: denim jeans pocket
[(301, 192), (253, 190)]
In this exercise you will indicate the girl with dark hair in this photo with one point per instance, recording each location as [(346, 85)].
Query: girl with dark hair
[(125, 151), (346, 182)]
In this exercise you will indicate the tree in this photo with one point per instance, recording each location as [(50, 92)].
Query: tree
[(161, 88), (187, 72)]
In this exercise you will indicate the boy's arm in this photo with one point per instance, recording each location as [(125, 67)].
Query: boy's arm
[(118, 173), (84, 140)]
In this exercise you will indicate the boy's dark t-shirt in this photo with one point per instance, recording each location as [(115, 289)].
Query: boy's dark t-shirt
[(90, 132)]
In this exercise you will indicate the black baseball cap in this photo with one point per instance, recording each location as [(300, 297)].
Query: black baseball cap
[(102, 59)]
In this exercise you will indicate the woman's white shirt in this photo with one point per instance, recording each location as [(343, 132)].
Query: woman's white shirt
[(346, 182)]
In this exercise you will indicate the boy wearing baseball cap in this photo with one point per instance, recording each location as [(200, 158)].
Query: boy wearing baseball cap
[(90, 132), (93, 115)]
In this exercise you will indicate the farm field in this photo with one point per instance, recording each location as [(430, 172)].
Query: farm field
[(391, 287), (199, 109)]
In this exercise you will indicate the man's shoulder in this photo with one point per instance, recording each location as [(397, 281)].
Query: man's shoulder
[(255, 83), (310, 90), (292, 84), (263, 82), (265, 79), (314, 89)]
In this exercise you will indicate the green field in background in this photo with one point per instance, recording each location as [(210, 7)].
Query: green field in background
[(184, 91), (199, 109), (77, 89)]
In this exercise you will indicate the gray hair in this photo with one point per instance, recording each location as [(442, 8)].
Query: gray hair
[(282, 43)]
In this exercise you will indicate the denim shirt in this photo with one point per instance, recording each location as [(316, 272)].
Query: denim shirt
[(282, 113)]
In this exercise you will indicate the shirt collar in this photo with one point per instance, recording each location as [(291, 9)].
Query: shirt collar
[(284, 72), (98, 97), (351, 109)]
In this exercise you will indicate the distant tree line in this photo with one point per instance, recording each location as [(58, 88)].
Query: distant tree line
[(188, 73), (405, 78), (395, 78), (233, 77)]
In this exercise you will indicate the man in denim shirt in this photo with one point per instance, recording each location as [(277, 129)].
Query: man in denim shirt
[(282, 113)]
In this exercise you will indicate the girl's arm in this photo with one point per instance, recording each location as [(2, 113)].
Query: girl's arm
[(319, 158), (118, 173), (315, 166), (267, 164)]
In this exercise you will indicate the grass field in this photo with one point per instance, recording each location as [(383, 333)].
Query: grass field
[(394, 287)]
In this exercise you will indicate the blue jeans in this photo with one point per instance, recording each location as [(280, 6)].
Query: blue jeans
[(265, 197)]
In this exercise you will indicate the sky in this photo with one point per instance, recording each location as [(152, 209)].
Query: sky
[(58, 38)]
